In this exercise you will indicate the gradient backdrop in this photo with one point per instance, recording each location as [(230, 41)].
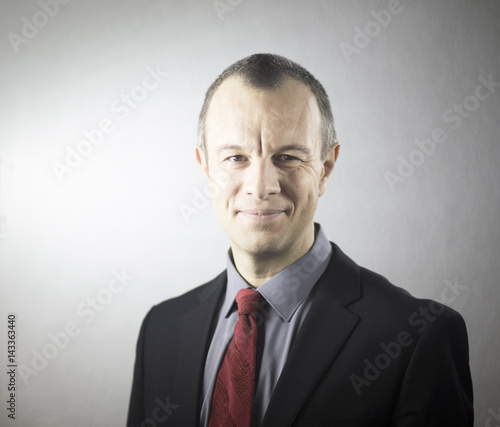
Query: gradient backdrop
[(92, 234)]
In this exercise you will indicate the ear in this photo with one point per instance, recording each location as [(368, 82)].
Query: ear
[(201, 159), (328, 164)]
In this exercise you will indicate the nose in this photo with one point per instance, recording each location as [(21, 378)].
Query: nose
[(261, 179)]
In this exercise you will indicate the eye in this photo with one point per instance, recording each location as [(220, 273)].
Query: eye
[(236, 159), (287, 158)]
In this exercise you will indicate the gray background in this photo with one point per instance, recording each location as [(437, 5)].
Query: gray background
[(120, 208)]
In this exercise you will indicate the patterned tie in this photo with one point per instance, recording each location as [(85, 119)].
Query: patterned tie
[(234, 390)]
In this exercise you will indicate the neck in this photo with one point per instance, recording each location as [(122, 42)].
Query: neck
[(258, 268)]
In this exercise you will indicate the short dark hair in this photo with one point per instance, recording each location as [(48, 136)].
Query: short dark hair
[(267, 71)]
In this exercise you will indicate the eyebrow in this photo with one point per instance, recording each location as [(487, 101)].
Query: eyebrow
[(290, 147), (229, 147), (296, 147)]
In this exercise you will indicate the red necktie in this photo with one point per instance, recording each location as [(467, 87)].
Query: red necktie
[(234, 391)]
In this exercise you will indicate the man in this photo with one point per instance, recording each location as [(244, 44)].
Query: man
[(293, 332)]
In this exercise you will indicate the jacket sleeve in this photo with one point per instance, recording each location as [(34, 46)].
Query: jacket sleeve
[(136, 412), (437, 386)]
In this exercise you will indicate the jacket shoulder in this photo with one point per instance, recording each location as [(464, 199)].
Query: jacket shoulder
[(384, 300), (378, 287), (186, 302), (377, 298)]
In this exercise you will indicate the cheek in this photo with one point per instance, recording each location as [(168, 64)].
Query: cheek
[(302, 186), (222, 191)]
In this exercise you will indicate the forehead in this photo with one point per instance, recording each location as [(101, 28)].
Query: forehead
[(237, 108)]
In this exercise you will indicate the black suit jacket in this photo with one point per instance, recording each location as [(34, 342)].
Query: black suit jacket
[(367, 354)]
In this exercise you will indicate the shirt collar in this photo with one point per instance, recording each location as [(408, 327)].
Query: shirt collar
[(289, 288)]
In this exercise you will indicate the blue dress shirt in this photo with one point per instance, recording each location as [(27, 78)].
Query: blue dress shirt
[(287, 301)]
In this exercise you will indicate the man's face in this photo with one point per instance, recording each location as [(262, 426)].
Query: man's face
[(266, 147)]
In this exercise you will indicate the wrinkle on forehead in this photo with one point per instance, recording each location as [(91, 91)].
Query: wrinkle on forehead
[(294, 115), (242, 114)]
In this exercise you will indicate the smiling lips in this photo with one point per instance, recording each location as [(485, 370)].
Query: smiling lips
[(261, 214)]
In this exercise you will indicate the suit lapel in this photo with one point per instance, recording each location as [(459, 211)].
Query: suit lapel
[(325, 329), (194, 339)]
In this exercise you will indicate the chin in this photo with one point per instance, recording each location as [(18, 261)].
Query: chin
[(262, 246)]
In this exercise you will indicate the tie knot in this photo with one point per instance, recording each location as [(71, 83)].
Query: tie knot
[(248, 301)]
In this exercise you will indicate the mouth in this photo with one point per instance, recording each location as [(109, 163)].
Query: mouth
[(261, 214)]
